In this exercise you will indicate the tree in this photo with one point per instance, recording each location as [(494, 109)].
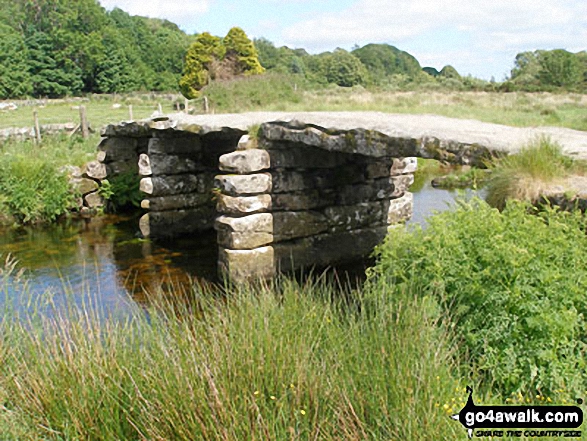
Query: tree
[(344, 69), (384, 61), (210, 58), (242, 50), (560, 68), (449, 72), (15, 81), (199, 60)]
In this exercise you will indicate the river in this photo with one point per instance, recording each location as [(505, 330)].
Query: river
[(102, 261)]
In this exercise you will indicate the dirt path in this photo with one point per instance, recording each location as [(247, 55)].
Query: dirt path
[(465, 131)]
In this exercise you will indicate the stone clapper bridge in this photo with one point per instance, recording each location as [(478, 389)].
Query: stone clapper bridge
[(317, 189)]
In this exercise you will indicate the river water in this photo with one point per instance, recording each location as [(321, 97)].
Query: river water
[(102, 261)]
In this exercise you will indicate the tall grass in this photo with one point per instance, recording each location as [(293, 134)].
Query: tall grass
[(287, 361), (527, 174)]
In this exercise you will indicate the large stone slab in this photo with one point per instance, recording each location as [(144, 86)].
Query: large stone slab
[(400, 210), (171, 164), (260, 222), (177, 184), (243, 205), (118, 149), (174, 202), (239, 265), (353, 217), (245, 161), (327, 249), (177, 222), (235, 185), (401, 183), (178, 145)]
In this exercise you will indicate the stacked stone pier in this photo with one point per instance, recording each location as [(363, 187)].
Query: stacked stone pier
[(298, 195)]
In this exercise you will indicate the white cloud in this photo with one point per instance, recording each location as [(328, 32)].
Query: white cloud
[(382, 20), (506, 26), (177, 12)]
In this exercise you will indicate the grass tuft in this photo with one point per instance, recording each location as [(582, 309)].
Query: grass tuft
[(527, 174)]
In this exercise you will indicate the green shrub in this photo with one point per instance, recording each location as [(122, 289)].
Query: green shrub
[(514, 285), (122, 191), (32, 187), (34, 190)]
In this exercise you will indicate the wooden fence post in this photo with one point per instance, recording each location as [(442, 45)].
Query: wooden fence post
[(130, 112), (37, 127), (84, 122), (206, 105)]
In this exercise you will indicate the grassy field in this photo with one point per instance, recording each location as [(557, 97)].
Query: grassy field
[(101, 110), (285, 94)]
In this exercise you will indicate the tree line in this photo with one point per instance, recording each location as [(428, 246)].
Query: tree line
[(54, 48)]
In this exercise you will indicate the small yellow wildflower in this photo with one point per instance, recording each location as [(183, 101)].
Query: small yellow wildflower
[(303, 412), (256, 392), (273, 397)]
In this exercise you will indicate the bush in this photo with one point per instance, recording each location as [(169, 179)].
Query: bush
[(514, 286)]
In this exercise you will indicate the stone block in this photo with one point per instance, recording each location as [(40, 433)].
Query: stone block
[(302, 156), (84, 185), (327, 249), (177, 184), (94, 170), (240, 265), (179, 145), (401, 184), (243, 241), (174, 223), (377, 189), (288, 225), (352, 217), (404, 165), (303, 200), (243, 205), (117, 149), (400, 210), (245, 161), (174, 202), (175, 164), (145, 165), (236, 185), (93, 200), (259, 222)]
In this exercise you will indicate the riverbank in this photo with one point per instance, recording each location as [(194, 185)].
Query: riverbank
[(301, 359)]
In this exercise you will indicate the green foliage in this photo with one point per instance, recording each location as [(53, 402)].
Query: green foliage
[(433, 72), (560, 68), (210, 58), (383, 61), (33, 190), (514, 286), (238, 45), (344, 69), (544, 70), (121, 192), (449, 72), (14, 76), (287, 360), (198, 63), (523, 175), (32, 187)]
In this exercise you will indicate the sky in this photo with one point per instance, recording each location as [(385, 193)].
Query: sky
[(477, 37)]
